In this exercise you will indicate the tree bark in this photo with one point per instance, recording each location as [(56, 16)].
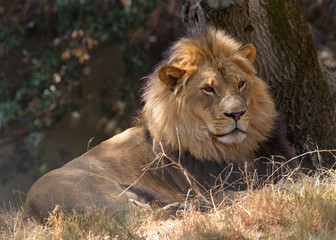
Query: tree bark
[(286, 59)]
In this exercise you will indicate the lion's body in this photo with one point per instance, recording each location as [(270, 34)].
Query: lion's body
[(207, 118), (95, 179)]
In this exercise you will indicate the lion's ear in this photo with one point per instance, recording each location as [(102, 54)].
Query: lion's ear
[(248, 51), (169, 75)]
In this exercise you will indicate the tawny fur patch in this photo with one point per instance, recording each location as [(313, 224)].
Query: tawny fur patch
[(188, 103)]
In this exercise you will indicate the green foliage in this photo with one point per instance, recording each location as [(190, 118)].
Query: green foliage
[(44, 46), (8, 112), (33, 40)]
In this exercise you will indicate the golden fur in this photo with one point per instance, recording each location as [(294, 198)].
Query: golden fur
[(173, 116), (204, 102)]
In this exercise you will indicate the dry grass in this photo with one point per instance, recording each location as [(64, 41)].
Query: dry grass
[(302, 210)]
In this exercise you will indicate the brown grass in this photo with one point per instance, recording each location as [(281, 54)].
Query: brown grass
[(305, 209)]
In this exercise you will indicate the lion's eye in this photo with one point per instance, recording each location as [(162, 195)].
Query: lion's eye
[(208, 89), (241, 85)]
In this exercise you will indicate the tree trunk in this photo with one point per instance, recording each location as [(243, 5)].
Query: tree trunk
[(287, 61)]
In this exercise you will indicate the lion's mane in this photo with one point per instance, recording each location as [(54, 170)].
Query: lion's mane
[(167, 113)]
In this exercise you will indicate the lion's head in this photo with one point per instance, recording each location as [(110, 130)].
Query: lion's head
[(205, 98)]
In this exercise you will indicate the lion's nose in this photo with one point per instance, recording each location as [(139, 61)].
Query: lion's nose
[(235, 115)]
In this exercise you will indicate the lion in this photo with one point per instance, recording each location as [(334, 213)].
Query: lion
[(208, 125)]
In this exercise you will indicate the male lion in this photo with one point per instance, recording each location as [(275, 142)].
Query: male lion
[(208, 126)]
